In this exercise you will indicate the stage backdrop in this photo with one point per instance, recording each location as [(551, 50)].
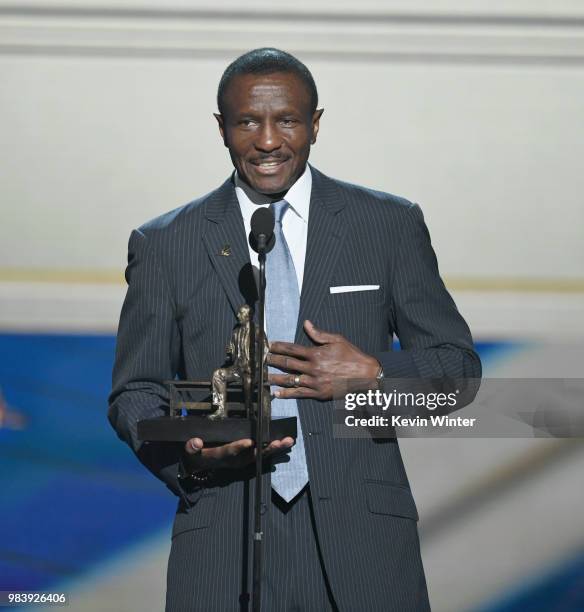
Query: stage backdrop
[(472, 109)]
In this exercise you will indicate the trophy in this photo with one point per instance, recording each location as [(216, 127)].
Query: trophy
[(233, 409)]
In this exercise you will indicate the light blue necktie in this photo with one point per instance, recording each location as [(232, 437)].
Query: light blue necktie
[(282, 306)]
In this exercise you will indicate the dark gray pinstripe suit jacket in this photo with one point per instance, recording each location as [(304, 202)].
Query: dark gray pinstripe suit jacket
[(177, 317)]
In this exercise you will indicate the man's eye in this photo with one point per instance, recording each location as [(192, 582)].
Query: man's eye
[(288, 122), (246, 122)]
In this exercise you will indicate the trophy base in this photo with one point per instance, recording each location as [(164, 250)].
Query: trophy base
[(183, 428)]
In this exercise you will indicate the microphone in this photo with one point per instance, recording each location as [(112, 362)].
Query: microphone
[(261, 237), (256, 278)]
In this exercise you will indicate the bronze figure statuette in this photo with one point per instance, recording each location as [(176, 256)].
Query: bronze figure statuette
[(229, 412)]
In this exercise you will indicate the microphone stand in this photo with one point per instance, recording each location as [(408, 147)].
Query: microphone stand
[(259, 432)]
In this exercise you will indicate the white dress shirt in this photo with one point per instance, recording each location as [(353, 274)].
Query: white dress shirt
[(294, 224)]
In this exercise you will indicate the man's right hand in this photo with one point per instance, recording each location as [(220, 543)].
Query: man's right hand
[(236, 454)]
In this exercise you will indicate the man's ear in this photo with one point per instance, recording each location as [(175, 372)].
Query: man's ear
[(219, 118), (316, 123)]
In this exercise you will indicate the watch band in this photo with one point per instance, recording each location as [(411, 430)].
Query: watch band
[(197, 477), (380, 374)]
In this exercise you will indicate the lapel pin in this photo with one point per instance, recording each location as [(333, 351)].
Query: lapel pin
[(226, 250)]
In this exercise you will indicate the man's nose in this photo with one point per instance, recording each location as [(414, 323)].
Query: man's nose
[(268, 138)]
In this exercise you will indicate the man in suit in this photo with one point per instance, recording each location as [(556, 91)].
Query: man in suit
[(352, 268)]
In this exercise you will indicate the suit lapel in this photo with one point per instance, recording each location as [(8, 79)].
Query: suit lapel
[(225, 242), (326, 230), (228, 252)]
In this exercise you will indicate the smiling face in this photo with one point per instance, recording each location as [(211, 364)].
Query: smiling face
[(268, 126)]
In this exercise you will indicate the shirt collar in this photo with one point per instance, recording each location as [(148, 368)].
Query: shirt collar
[(298, 196)]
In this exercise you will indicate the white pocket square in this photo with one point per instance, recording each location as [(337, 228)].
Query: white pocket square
[(350, 288)]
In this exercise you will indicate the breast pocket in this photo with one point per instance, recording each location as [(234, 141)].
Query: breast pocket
[(360, 316), (358, 298)]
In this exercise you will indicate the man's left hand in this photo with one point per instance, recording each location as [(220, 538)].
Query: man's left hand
[(312, 370)]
